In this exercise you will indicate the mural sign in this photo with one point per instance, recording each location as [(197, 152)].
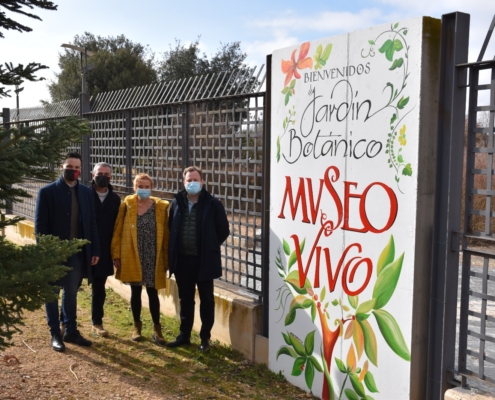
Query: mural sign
[(345, 134)]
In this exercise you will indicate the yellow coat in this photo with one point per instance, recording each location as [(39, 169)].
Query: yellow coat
[(125, 247)]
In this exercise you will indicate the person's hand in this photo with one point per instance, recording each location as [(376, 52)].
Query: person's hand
[(94, 260), (116, 263)]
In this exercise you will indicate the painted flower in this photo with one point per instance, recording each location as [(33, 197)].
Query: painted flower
[(402, 136), (290, 67)]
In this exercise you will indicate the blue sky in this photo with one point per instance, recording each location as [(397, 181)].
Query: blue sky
[(261, 26)]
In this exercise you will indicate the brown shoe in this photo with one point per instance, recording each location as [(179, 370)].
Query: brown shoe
[(157, 335), (136, 333), (99, 330)]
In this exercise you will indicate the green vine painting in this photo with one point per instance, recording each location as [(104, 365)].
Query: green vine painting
[(393, 46), (350, 320)]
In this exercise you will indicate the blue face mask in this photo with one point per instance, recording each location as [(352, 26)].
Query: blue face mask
[(193, 187), (143, 193)]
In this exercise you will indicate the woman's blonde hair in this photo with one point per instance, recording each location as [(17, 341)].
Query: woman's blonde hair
[(143, 177)]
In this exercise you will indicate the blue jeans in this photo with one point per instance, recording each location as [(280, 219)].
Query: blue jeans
[(70, 284)]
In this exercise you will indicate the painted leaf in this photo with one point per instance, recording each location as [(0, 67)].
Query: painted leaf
[(398, 45), (385, 46), (353, 301), (358, 338), (357, 385), (287, 97), (293, 256), (340, 365), (290, 317), (392, 120), (392, 334), (407, 171), (362, 373), (391, 90), (287, 351), (315, 363), (335, 302), (349, 330), (365, 307), (345, 308), (396, 25), (285, 90), (319, 49), (326, 305), (313, 312), (293, 280), (309, 374), (367, 397), (298, 366), (286, 247), (309, 343), (351, 359), (387, 282), (397, 63), (369, 381), (402, 102), (386, 256), (300, 301), (298, 346), (370, 345), (389, 54), (293, 83), (278, 149), (286, 339), (323, 293), (362, 317), (405, 32), (327, 51), (351, 394), (339, 322), (400, 158), (372, 42)]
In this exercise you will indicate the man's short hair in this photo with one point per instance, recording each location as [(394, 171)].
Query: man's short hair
[(191, 169), (101, 164), (73, 155)]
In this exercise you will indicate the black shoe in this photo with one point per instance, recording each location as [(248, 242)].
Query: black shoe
[(76, 338), (180, 341), (205, 346), (57, 343)]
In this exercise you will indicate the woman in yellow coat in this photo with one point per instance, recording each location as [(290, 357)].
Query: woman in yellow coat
[(140, 250)]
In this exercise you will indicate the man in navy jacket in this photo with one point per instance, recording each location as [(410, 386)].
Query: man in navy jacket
[(198, 226), (65, 209)]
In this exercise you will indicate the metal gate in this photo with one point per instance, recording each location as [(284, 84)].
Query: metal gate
[(462, 324)]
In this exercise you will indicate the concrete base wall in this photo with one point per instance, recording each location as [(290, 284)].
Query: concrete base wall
[(466, 394), (238, 317)]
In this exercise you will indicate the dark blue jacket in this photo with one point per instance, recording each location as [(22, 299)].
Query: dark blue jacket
[(212, 228), (106, 214), (53, 215)]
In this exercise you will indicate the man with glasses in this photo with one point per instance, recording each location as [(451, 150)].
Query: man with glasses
[(66, 209)]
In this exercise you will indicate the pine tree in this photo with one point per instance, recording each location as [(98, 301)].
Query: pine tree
[(26, 272)]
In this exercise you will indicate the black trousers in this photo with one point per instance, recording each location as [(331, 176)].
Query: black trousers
[(186, 276), (98, 296)]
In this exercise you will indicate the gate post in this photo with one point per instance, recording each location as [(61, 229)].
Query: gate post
[(266, 198), (128, 151), (85, 147), (6, 126), (445, 259)]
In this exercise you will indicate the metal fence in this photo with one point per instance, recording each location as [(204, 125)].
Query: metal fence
[(462, 307), (477, 313), (161, 129)]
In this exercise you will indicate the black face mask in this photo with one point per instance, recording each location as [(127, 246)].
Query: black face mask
[(71, 174), (102, 181)]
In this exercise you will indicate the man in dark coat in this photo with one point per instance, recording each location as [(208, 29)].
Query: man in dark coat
[(65, 209), (107, 204), (198, 226)]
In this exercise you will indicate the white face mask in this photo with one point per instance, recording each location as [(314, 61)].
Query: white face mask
[(193, 187)]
